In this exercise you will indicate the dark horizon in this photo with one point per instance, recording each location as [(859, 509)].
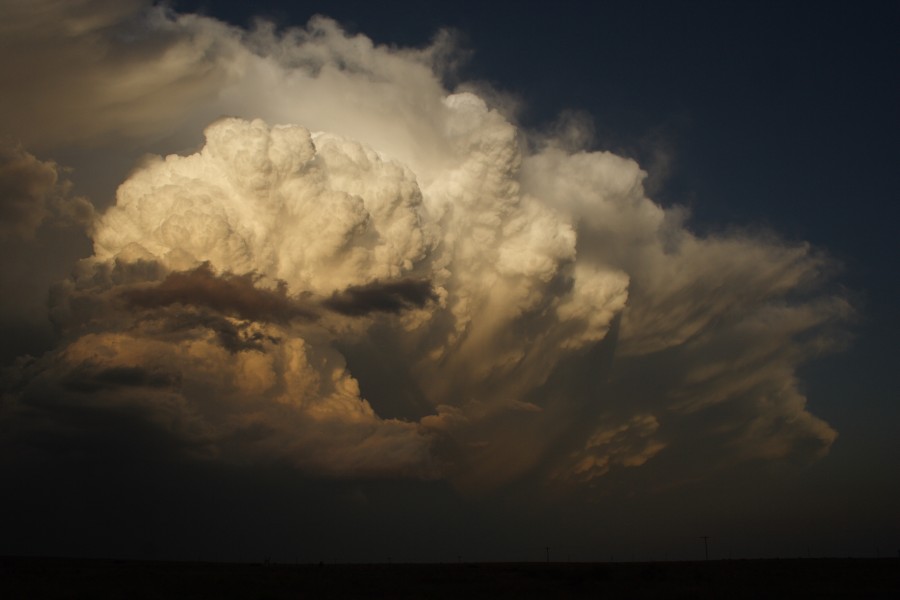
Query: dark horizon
[(741, 579)]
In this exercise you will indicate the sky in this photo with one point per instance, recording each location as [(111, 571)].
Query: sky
[(351, 283)]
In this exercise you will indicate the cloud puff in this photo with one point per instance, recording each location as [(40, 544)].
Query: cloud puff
[(393, 283), (32, 192), (268, 200)]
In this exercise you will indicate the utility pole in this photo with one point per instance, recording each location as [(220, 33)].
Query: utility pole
[(547, 548), (705, 539)]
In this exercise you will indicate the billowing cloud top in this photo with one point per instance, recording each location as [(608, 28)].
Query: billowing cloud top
[(364, 274)]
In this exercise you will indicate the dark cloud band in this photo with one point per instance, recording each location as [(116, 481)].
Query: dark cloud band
[(376, 297), (235, 295)]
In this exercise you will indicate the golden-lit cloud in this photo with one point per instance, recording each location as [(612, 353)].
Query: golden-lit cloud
[(362, 273)]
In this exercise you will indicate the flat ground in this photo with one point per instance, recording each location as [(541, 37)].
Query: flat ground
[(37, 578)]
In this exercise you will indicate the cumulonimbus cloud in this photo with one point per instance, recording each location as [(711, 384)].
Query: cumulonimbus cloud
[(390, 281)]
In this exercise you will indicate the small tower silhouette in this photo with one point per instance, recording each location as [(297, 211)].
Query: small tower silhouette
[(705, 539)]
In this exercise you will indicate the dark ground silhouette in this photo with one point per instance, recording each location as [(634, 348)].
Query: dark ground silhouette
[(795, 578)]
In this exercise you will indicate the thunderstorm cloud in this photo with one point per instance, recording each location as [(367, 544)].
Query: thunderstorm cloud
[(364, 274)]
